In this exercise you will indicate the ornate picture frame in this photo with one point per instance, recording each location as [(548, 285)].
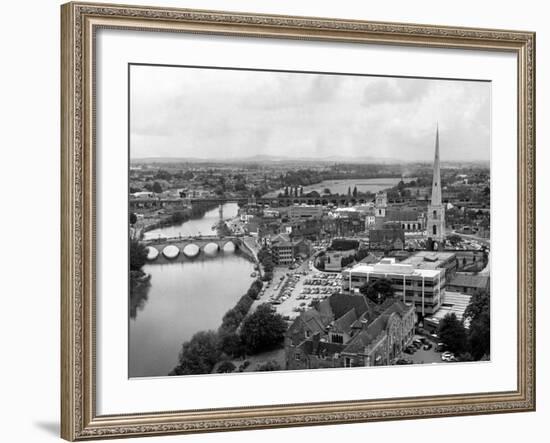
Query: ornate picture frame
[(80, 22)]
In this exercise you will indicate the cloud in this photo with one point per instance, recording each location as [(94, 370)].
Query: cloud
[(395, 91), (211, 113)]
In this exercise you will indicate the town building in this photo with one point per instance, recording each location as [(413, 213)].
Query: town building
[(284, 249), (409, 220), (436, 210), (386, 239), (304, 212), (349, 331), (452, 303), (418, 286), (469, 283)]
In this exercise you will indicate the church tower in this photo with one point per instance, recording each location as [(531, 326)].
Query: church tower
[(381, 204), (436, 210)]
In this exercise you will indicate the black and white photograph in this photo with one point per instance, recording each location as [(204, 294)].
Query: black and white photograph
[(290, 220)]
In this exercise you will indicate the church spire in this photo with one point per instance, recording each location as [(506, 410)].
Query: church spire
[(436, 210), (436, 183)]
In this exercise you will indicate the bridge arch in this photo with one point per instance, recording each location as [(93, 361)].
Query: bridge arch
[(191, 250), (171, 251), (211, 248), (152, 253), (229, 246)]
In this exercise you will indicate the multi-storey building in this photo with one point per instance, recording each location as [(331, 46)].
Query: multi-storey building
[(284, 249), (418, 286)]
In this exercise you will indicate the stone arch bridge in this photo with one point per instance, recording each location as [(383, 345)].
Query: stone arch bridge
[(191, 247)]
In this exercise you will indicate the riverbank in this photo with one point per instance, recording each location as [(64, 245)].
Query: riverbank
[(179, 217)]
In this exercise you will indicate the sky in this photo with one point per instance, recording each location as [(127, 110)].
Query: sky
[(230, 114)]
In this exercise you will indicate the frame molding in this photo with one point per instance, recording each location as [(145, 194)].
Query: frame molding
[(78, 24)]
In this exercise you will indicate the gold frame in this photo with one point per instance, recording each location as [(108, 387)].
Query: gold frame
[(78, 24)]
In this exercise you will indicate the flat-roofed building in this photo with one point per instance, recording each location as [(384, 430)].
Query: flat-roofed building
[(434, 260), (305, 212), (452, 303), (418, 286)]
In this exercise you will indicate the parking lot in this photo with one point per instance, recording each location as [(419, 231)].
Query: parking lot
[(293, 291), (422, 355)]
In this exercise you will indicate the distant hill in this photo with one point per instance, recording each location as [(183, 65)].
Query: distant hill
[(268, 159)]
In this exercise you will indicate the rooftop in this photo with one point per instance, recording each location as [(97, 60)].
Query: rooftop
[(389, 266), (429, 259), (453, 302), (470, 281)]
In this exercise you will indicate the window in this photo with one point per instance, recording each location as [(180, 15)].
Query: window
[(297, 357), (347, 362), (434, 229), (337, 338), (308, 334)]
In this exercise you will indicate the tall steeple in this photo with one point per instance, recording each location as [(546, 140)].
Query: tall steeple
[(436, 210), (436, 183)]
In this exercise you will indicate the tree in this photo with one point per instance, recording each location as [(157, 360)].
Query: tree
[(355, 191), (452, 333), (163, 175), (349, 191), (378, 290), (157, 187), (454, 239), (326, 191), (231, 344), (263, 329), (198, 355), (138, 255), (479, 336), (480, 303), (225, 367), (269, 366), (133, 218)]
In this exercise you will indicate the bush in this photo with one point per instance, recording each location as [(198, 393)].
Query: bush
[(255, 289), (226, 367), (138, 255), (269, 366)]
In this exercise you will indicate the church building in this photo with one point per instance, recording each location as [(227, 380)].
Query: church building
[(436, 211)]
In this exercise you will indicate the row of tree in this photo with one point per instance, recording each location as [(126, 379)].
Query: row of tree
[(266, 260), (262, 330)]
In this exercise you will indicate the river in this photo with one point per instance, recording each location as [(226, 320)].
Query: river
[(341, 186), (183, 298)]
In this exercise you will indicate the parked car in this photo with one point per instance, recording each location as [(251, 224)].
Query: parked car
[(448, 356), (403, 361), (427, 346), (440, 347)]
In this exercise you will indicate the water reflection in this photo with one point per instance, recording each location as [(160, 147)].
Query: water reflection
[(139, 293)]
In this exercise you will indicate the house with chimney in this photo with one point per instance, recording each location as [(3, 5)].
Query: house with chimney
[(349, 331)]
